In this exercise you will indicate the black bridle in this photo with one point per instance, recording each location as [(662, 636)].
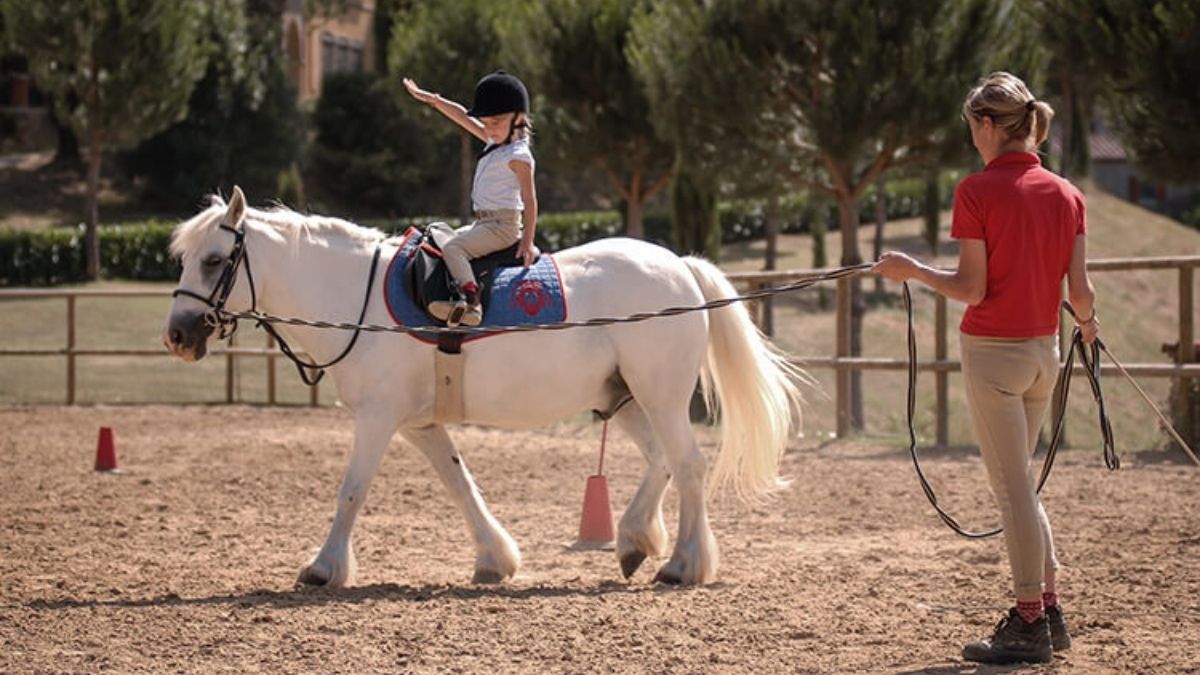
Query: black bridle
[(218, 318), (214, 315)]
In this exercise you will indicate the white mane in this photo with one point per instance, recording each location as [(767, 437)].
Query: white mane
[(288, 223)]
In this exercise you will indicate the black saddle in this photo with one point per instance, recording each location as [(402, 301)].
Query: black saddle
[(427, 279)]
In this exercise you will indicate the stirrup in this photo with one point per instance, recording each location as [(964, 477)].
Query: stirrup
[(441, 309), (456, 314), (473, 316)]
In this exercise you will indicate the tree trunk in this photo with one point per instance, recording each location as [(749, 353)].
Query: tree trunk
[(850, 309), (634, 227), (694, 213), (67, 152), (774, 225), (1076, 155), (933, 210), (91, 243), (880, 221), (466, 177), (818, 228)]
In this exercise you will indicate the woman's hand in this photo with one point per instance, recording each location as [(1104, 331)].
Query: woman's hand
[(1090, 329), (527, 252), (419, 93), (895, 266)]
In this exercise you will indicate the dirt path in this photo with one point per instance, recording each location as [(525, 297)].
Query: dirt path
[(186, 561)]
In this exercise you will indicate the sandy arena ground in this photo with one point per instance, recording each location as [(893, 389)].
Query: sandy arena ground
[(186, 561)]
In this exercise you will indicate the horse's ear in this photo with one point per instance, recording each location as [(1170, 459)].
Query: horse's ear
[(236, 210)]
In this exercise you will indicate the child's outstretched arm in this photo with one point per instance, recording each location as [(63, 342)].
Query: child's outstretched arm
[(455, 112)]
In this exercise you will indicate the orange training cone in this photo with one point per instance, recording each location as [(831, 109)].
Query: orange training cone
[(596, 525), (106, 451)]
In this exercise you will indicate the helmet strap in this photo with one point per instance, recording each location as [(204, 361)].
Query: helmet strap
[(512, 128)]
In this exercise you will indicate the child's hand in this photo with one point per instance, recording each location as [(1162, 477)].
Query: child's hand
[(419, 93), (527, 252)]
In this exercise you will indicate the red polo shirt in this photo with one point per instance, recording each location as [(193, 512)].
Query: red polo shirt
[(1028, 218)]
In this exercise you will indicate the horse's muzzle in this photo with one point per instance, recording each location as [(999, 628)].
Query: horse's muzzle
[(186, 335)]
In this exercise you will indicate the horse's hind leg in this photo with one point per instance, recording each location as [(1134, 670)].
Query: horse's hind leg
[(497, 557), (642, 531), (694, 560)]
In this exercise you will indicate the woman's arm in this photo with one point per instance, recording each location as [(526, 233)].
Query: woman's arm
[(455, 112), (967, 283), (524, 170), (1080, 291)]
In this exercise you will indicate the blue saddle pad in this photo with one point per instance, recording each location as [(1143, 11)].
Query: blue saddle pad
[(520, 295)]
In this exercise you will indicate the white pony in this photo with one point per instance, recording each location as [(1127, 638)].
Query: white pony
[(316, 268)]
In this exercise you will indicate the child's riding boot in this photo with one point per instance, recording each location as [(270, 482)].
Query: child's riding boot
[(466, 309)]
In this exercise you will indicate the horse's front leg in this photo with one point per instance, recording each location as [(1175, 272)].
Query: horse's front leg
[(334, 564), (496, 555)]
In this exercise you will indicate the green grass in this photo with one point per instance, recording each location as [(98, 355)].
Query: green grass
[(1139, 311)]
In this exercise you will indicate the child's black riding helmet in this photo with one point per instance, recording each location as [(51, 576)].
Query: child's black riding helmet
[(499, 93)]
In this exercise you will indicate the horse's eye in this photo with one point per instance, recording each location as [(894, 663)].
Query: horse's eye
[(212, 261)]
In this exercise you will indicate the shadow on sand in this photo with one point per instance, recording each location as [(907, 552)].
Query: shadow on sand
[(302, 596)]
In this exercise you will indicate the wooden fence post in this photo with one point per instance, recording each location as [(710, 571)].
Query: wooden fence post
[(70, 350), (943, 377), (229, 370), (842, 391), (270, 370), (1186, 353), (766, 311)]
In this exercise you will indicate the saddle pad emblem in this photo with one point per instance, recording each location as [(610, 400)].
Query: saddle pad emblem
[(530, 296), (520, 296)]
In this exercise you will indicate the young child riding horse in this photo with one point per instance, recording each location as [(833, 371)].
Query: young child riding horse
[(503, 188)]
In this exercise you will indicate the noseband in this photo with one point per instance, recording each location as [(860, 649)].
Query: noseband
[(215, 316)]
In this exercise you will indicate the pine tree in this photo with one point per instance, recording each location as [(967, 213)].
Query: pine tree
[(446, 46), (596, 114), (708, 103), (856, 88), (1154, 67), (128, 66)]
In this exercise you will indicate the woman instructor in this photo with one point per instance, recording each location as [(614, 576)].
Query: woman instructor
[(1021, 229)]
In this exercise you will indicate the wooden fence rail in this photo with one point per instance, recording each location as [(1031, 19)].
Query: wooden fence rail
[(71, 351), (1183, 369)]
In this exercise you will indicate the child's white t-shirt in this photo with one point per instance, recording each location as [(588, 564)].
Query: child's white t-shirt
[(496, 185)]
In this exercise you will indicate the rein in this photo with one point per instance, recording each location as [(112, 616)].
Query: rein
[(1089, 356), (219, 318)]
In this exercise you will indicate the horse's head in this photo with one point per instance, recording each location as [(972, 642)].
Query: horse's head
[(211, 247)]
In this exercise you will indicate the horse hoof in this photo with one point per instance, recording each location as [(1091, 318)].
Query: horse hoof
[(486, 577), (630, 562), (309, 577), (669, 578)]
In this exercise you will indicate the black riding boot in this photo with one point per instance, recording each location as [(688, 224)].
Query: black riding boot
[(1014, 641)]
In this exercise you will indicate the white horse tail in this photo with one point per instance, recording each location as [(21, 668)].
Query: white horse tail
[(752, 386)]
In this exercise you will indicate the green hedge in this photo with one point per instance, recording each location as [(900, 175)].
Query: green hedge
[(55, 256), (140, 250)]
